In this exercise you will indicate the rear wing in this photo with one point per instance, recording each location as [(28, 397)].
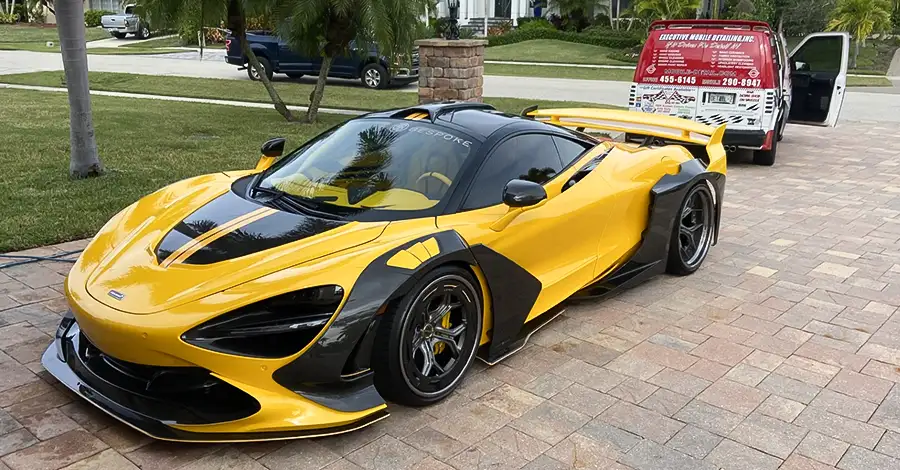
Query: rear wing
[(656, 125)]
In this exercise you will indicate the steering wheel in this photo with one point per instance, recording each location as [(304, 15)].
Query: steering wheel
[(438, 176)]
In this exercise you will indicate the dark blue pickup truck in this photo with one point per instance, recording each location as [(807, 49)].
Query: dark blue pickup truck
[(367, 65)]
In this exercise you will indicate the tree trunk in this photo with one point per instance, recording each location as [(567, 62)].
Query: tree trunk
[(855, 55), (254, 62), (315, 99), (83, 160)]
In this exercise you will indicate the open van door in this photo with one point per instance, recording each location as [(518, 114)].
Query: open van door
[(819, 78)]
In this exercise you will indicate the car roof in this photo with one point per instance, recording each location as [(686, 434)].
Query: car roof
[(477, 119)]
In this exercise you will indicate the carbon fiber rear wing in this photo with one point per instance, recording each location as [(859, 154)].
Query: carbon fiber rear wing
[(656, 125)]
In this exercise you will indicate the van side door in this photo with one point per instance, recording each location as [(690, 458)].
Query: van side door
[(819, 78)]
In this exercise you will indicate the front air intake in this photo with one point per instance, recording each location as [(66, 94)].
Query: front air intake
[(277, 327)]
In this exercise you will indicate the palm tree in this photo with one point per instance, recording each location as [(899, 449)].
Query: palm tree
[(83, 159), (861, 18), (325, 28), (166, 13), (667, 9)]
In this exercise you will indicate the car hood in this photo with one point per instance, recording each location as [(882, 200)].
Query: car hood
[(192, 240)]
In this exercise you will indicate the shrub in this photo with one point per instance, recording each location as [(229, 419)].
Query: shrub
[(619, 41), (466, 33), (541, 23), (500, 28), (8, 18), (92, 17), (440, 26)]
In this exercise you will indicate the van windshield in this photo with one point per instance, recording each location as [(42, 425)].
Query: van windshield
[(697, 56)]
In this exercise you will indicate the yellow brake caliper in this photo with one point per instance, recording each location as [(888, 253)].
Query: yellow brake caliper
[(445, 323)]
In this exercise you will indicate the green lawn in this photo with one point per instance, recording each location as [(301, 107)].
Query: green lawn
[(868, 81), (170, 41), (336, 96), (26, 33), (548, 71), (41, 47), (151, 145), (547, 50)]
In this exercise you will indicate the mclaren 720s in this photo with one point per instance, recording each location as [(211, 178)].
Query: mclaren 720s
[(375, 263)]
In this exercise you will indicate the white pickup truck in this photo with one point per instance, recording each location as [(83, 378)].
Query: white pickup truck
[(127, 23)]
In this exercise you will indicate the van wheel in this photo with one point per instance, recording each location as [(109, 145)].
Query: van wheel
[(266, 68), (766, 157)]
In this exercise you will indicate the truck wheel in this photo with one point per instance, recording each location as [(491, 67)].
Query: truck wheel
[(118, 35), (266, 66), (374, 76), (766, 157), (144, 32)]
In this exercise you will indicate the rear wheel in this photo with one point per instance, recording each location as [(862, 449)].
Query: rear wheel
[(766, 157), (692, 234), (143, 32), (266, 68), (425, 345)]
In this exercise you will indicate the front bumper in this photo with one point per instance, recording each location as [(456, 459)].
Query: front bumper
[(405, 76), (184, 403)]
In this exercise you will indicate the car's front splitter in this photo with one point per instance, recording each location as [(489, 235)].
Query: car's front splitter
[(64, 362)]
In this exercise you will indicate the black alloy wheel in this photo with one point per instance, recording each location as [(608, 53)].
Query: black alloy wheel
[(693, 232), (432, 339)]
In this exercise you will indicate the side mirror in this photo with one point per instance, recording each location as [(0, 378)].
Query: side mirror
[(520, 196), (801, 66), (271, 151), (522, 193)]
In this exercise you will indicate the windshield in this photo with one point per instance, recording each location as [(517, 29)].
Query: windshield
[(374, 165)]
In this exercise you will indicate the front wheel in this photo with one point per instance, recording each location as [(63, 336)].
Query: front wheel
[(692, 233), (374, 76), (424, 346)]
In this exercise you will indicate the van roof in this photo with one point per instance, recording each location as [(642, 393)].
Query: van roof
[(743, 24)]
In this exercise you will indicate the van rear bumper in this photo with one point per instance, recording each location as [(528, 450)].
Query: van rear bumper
[(740, 138)]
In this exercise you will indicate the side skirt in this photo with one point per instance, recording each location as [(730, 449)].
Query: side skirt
[(491, 357)]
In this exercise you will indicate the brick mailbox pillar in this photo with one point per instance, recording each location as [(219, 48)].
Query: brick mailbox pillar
[(451, 70)]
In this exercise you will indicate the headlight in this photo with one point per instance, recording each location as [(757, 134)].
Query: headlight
[(277, 327)]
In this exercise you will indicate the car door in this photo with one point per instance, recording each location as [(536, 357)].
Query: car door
[(346, 65), (291, 61), (556, 241), (819, 78)]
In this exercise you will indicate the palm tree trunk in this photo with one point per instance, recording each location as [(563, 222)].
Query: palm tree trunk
[(254, 62), (855, 54), (315, 99), (83, 160)]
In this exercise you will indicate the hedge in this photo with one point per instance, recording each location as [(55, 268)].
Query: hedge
[(614, 42), (92, 17)]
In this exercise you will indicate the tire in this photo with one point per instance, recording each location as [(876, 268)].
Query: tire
[(766, 157), (266, 66), (781, 126), (402, 374), (693, 231), (143, 32), (294, 75), (118, 35), (374, 77)]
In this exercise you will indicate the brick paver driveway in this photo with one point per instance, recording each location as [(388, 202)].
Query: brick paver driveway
[(783, 351)]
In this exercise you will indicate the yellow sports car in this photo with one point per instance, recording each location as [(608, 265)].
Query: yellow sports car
[(374, 263)]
